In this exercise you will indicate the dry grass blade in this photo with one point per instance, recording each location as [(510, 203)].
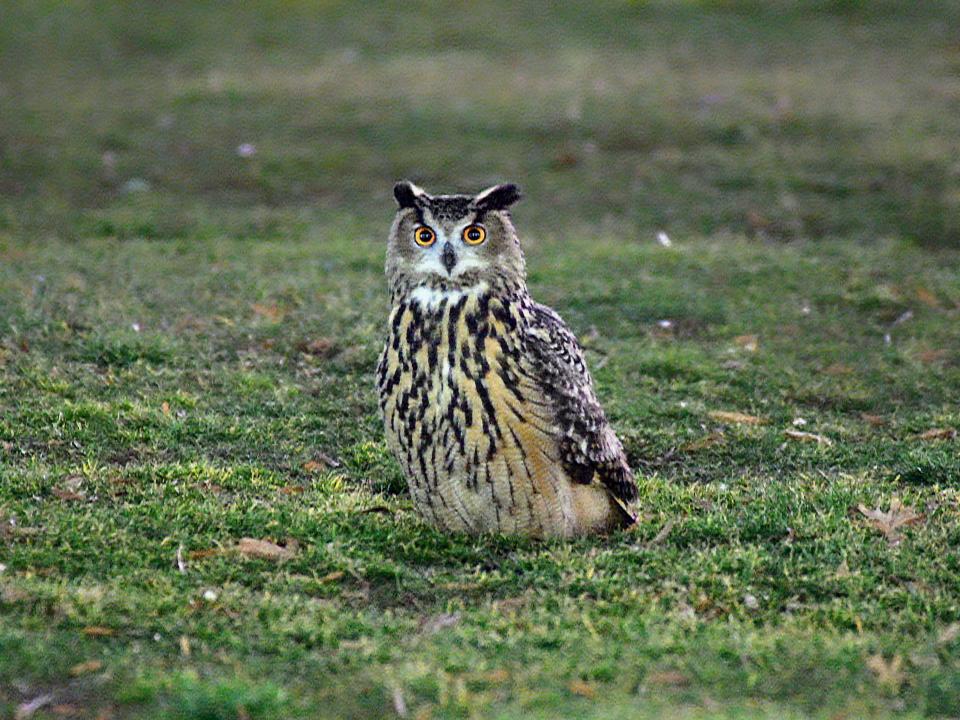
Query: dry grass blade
[(937, 434), (801, 436), (662, 535), (98, 631), (321, 347), (85, 667), (266, 550), (378, 509), (268, 311), (583, 689), (668, 677), (736, 418)]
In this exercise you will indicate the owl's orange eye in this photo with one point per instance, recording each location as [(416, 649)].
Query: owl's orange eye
[(424, 236), (474, 234)]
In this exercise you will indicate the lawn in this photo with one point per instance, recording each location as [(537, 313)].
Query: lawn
[(194, 201)]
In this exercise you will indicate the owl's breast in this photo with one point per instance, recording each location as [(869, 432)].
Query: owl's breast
[(473, 432)]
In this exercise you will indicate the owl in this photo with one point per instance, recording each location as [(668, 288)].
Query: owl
[(485, 395)]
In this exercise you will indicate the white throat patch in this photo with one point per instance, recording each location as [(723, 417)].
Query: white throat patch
[(430, 298)]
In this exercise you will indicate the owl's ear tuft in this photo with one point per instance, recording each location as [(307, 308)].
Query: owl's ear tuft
[(498, 197), (407, 194)]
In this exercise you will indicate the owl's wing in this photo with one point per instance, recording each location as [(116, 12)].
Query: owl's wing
[(588, 445)]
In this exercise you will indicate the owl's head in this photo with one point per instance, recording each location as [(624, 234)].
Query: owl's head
[(453, 242)]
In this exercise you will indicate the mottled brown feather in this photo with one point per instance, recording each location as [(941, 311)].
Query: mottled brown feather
[(486, 398)]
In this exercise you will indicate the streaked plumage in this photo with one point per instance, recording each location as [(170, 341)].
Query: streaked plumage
[(486, 397)]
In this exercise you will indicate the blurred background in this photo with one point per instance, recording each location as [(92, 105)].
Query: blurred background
[(774, 120)]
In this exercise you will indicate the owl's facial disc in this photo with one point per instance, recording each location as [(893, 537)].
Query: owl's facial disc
[(454, 242), (448, 249)]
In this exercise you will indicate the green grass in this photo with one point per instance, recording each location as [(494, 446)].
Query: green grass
[(188, 338)]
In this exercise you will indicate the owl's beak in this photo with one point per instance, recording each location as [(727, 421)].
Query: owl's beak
[(448, 257)]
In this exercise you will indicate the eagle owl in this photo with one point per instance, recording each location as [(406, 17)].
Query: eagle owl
[(486, 399)]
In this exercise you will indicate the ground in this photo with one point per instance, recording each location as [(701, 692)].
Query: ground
[(194, 200)]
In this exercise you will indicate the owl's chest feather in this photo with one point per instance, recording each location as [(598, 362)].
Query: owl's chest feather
[(442, 365), (470, 423), (457, 403)]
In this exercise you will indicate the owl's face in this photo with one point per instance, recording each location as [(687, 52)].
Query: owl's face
[(453, 242)]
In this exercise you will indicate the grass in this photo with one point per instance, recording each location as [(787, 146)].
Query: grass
[(188, 338)]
